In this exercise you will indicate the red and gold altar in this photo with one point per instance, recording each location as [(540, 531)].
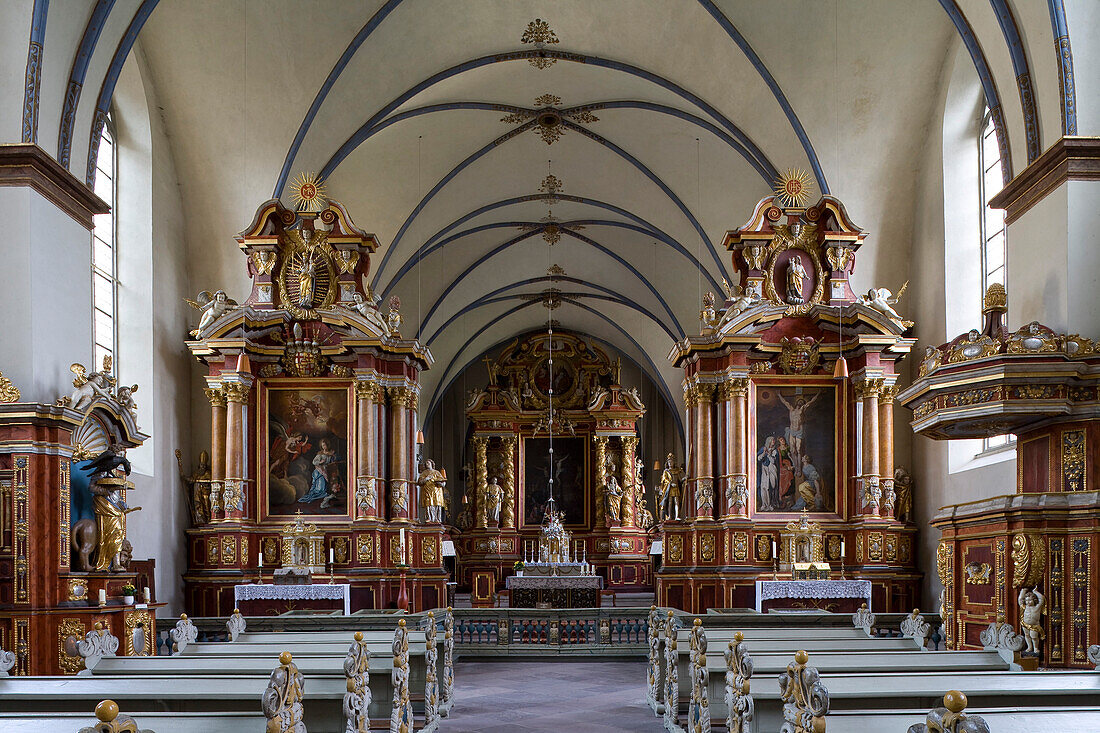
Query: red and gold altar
[(66, 564), (998, 556), (313, 396), (783, 440), (594, 464)]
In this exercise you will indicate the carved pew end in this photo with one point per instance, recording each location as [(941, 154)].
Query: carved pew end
[(107, 713)]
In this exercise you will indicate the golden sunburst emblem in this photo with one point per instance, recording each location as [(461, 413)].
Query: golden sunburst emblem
[(308, 193), (792, 188)]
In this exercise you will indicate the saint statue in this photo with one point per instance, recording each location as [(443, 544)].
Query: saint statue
[(431, 483), (614, 495), (307, 280), (796, 279), (669, 489), (110, 508), (198, 488), (494, 495)]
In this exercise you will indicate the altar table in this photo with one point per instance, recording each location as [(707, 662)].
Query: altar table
[(829, 595), (267, 599), (572, 591)]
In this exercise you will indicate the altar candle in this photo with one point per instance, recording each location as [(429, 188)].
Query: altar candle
[(331, 561), (103, 596), (842, 549), (402, 544), (773, 550), (148, 595), (261, 560)]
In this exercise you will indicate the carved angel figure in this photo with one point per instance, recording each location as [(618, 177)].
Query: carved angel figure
[(90, 387), (213, 306), (1031, 604), (884, 301), (739, 301), (369, 310), (125, 397)]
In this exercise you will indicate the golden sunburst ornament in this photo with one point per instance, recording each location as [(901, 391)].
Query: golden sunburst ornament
[(308, 193), (793, 187)]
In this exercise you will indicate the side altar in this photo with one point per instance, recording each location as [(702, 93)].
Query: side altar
[(313, 399), (789, 391), (594, 469)]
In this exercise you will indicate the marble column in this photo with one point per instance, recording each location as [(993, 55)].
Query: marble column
[(367, 500), (236, 397), (691, 458), (400, 499), (737, 446), (216, 395), (630, 480), (508, 510), (481, 446), (704, 452), (601, 478), (886, 448), (868, 391)]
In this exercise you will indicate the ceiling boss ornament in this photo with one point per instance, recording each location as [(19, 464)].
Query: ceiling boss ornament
[(548, 117), (539, 34)]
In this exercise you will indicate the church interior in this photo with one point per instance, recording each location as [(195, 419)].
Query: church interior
[(516, 365)]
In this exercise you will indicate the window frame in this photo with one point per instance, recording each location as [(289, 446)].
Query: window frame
[(98, 270)]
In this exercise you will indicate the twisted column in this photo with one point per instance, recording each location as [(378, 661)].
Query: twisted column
[(367, 395), (601, 477), (630, 480), (481, 444), (216, 395), (508, 510)]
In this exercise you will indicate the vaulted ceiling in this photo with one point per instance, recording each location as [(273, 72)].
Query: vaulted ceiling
[(675, 116)]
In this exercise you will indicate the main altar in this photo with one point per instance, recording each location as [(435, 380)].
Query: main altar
[(789, 394), (595, 467), (313, 399)]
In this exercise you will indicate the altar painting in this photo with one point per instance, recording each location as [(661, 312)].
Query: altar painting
[(567, 466), (795, 449), (307, 451)]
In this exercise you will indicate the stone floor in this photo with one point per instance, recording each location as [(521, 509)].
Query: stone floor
[(558, 696)]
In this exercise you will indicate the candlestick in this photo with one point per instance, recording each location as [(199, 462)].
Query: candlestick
[(403, 546), (103, 596)]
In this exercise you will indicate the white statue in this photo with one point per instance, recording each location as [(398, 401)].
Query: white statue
[(431, 484), (213, 306), (125, 397), (90, 387), (738, 301), (494, 497), (614, 494), (1031, 603), (796, 278), (884, 301), (368, 308)]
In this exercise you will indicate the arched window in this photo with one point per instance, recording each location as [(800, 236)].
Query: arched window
[(104, 254), (991, 223)]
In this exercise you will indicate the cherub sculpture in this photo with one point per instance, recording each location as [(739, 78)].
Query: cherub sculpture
[(125, 397), (368, 308), (1031, 603), (738, 301), (213, 306), (884, 301), (393, 316), (92, 386)]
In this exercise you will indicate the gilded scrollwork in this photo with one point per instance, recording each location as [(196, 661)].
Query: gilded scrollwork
[(357, 699), (1028, 559), (8, 391), (973, 345), (740, 706), (805, 698), (282, 700), (951, 718), (699, 706), (978, 573)]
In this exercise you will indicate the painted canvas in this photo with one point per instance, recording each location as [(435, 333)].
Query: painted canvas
[(567, 466), (795, 449), (307, 451)]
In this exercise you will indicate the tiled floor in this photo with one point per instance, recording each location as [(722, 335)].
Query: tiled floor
[(558, 696)]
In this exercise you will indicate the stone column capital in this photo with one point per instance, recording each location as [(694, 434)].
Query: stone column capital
[(237, 392), (216, 395)]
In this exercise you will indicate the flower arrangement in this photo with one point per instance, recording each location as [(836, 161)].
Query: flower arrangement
[(517, 566), (128, 590)]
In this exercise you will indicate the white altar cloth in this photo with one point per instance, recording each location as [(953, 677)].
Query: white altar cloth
[(314, 592), (513, 582), (767, 590)]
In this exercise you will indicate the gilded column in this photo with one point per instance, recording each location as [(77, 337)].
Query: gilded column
[(704, 452), (630, 479), (366, 453), (601, 477), (868, 391), (399, 449), (481, 445), (216, 395), (737, 445), (236, 397), (886, 448), (508, 511)]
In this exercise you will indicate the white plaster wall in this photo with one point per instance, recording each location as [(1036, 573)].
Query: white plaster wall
[(15, 34), (946, 226), (1083, 21), (152, 322)]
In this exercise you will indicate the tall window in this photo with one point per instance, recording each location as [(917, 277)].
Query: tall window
[(992, 225), (104, 259)]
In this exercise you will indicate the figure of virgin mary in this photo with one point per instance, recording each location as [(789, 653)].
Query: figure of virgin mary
[(796, 277)]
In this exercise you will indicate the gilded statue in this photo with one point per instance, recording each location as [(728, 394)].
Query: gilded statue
[(903, 487), (1032, 602), (108, 533), (613, 493), (431, 483), (393, 316), (796, 280), (669, 489), (494, 495), (212, 306), (197, 486)]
